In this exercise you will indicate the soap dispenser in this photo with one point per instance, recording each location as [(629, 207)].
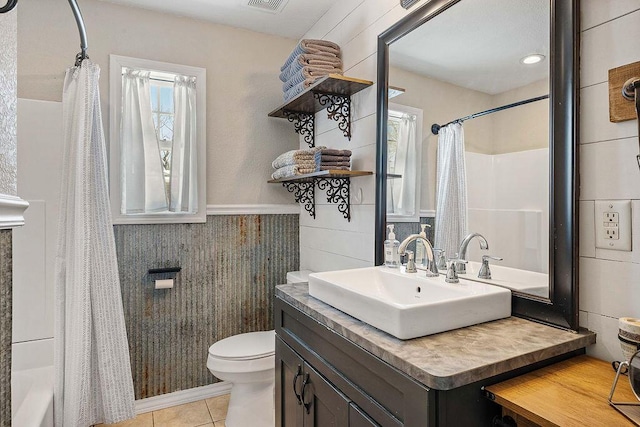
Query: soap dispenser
[(420, 249), (391, 245)]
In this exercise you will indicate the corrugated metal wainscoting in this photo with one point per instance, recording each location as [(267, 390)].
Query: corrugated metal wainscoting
[(6, 280), (230, 267)]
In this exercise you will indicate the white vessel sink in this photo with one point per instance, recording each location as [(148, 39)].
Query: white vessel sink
[(409, 305), (525, 281)]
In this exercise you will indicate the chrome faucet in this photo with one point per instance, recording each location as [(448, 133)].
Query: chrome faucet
[(462, 252), (432, 270)]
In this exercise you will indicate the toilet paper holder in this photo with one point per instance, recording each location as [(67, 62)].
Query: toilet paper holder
[(165, 270), (631, 92), (165, 277)]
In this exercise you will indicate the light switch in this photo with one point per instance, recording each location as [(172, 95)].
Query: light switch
[(613, 224)]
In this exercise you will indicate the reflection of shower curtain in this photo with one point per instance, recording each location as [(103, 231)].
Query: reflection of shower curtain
[(93, 374), (451, 191), (143, 187), (184, 166), (403, 190)]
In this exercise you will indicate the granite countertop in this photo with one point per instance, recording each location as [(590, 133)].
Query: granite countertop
[(450, 359)]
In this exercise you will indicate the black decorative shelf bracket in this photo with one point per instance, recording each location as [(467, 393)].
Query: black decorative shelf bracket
[(303, 192), (337, 192), (304, 124), (338, 109)]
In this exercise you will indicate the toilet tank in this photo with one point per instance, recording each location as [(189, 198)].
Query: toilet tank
[(301, 276)]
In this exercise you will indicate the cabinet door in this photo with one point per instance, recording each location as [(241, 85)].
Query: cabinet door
[(289, 377), (324, 405), (357, 418)]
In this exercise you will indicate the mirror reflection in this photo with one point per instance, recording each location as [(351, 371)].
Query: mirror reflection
[(485, 173), (404, 148)]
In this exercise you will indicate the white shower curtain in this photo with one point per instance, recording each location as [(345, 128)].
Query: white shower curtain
[(143, 186), (184, 167), (451, 191), (93, 373), (404, 190)]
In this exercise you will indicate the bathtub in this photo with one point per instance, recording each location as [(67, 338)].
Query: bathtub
[(32, 397)]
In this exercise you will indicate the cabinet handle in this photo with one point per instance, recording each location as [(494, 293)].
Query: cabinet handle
[(295, 383), (305, 383)]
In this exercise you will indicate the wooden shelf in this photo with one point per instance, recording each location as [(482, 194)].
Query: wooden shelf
[(333, 93), (306, 102), (336, 184), (322, 174), (573, 392)]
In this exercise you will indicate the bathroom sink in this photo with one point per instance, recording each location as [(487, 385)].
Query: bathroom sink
[(409, 305), (525, 281)]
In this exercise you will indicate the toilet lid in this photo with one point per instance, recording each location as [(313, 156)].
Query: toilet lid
[(249, 346)]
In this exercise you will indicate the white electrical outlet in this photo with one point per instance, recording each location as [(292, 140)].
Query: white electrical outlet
[(613, 224)]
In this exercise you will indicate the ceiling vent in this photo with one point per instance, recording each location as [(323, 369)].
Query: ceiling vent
[(271, 6)]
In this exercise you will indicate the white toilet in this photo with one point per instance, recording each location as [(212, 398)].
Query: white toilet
[(248, 362)]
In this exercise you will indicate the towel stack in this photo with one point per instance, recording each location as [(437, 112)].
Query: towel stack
[(294, 162), (331, 159), (309, 61)]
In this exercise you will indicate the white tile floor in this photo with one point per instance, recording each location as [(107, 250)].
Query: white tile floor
[(207, 413)]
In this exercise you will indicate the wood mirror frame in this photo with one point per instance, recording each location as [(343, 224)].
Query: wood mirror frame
[(561, 308)]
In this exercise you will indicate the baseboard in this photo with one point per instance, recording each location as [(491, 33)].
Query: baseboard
[(181, 397), (252, 209)]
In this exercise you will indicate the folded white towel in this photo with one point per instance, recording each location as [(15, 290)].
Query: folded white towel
[(293, 157), (291, 170)]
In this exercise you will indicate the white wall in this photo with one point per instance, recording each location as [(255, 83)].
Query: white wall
[(8, 142), (242, 81), (330, 242), (609, 280), (39, 174)]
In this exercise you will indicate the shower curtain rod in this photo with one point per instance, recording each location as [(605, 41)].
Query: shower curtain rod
[(81, 28), (82, 55), (435, 128)]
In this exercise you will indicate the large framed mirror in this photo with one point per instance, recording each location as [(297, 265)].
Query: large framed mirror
[(499, 140)]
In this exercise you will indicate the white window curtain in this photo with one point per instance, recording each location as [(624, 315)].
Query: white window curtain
[(451, 191), (93, 373), (143, 186), (404, 190), (184, 189)]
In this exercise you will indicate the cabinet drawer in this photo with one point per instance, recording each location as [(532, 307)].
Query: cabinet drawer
[(387, 395)]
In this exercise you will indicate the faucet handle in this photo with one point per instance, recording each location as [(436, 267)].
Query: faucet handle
[(411, 264), (452, 273), (485, 271), (441, 259)]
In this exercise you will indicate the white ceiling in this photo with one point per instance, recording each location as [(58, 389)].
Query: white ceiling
[(478, 44), (297, 17)]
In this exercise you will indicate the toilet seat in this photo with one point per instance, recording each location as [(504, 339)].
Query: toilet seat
[(249, 346)]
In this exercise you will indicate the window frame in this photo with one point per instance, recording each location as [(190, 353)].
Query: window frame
[(116, 63), (418, 113)]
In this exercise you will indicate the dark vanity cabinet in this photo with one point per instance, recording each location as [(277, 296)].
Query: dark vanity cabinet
[(323, 379), (306, 397)]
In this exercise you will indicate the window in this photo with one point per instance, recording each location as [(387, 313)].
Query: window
[(157, 135), (404, 160)]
